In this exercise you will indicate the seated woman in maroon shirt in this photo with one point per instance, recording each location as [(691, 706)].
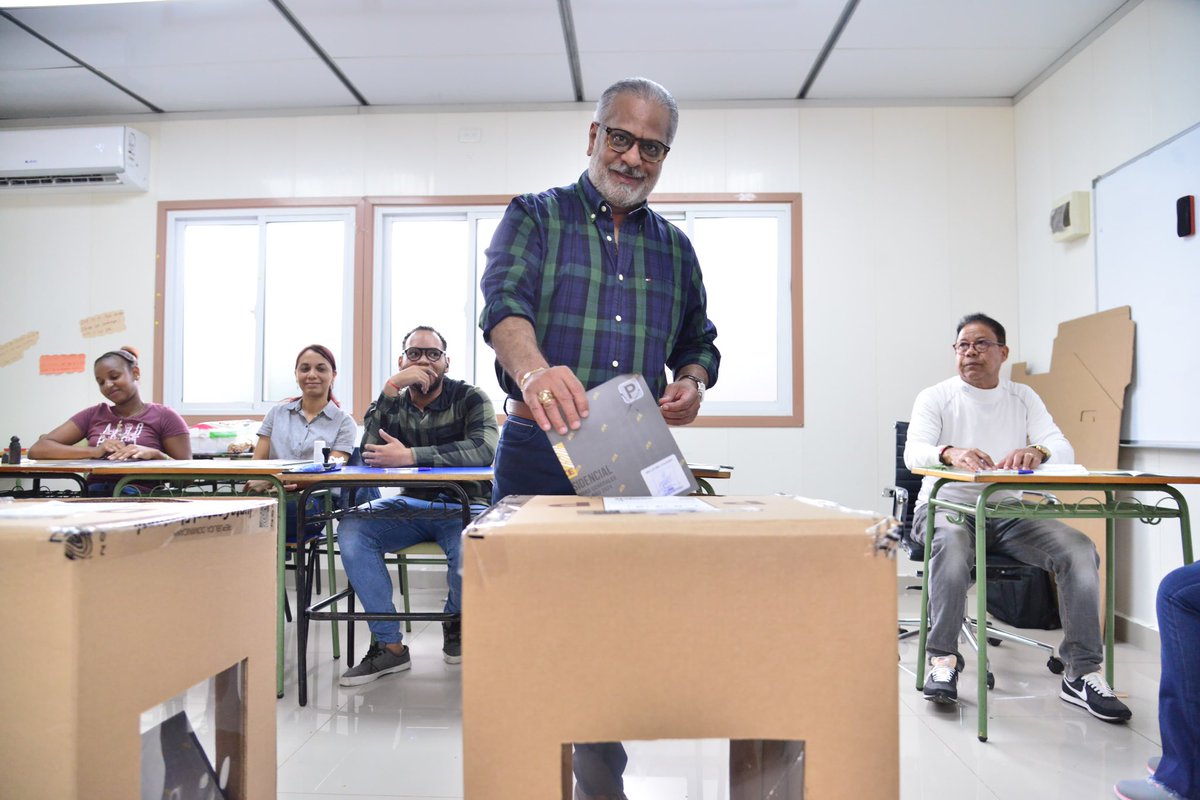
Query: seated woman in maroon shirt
[(129, 429)]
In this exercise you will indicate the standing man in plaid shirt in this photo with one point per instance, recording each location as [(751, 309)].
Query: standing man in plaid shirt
[(584, 283), (421, 418)]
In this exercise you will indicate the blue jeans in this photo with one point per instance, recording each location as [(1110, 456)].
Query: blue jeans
[(525, 463), (1179, 687), (364, 539)]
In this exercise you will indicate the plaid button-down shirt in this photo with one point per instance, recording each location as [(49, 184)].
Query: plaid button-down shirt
[(599, 307), (458, 429)]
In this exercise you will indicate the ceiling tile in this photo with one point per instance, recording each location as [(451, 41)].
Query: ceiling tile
[(967, 24), (369, 28), (742, 76), (900, 74), (237, 86), (61, 92), (528, 78), (151, 35), (703, 26)]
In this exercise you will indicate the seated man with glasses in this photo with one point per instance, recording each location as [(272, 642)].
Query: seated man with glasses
[(421, 418), (977, 421)]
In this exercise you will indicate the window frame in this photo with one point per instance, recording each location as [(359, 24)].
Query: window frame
[(168, 377), (367, 345)]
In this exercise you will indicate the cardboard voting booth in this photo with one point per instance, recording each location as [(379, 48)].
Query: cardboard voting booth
[(139, 648), (734, 623)]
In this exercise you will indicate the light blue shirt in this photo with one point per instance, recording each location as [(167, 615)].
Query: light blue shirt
[(292, 436)]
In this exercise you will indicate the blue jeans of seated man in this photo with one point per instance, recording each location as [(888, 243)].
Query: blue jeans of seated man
[(1047, 543), (1179, 687), (363, 539)]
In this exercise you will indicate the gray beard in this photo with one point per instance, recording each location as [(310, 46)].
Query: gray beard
[(619, 197)]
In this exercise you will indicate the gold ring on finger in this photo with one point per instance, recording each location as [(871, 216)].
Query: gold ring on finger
[(546, 397)]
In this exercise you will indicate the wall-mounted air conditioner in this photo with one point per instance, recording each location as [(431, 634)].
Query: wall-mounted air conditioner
[(81, 159)]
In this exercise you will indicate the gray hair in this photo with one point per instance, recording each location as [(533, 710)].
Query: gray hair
[(646, 89)]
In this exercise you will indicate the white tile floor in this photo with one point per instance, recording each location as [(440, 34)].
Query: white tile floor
[(401, 736)]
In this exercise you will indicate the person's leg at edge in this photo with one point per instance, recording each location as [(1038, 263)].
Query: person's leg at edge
[(1179, 687)]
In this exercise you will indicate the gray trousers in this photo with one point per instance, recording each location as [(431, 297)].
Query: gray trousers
[(1046, 543)]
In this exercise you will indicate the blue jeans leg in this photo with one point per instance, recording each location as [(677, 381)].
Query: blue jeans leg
[(1179, 687), (364, 538), (525, 463)]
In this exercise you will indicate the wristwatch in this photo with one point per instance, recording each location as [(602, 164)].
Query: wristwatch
[(700, 387), (1043, 450)]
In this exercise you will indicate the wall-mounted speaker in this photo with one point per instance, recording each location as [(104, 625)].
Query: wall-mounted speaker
[(1071, 218)]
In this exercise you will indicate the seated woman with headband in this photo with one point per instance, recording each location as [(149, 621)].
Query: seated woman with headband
[(129, 429)]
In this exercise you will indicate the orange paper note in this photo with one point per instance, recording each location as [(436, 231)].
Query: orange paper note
[(61, 364)]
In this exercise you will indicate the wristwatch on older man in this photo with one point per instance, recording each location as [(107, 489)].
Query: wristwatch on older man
[(700, 387), (1043, 450)]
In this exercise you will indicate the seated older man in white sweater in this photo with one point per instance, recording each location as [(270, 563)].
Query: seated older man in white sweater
[(976, 421)]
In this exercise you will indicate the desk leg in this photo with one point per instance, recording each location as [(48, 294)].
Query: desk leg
[(1185, 522), (981, 615), (280, 574), (924, 629), (1110, 576)]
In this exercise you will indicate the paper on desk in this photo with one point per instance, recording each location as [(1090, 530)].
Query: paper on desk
[(1045, 469), (1060, 469), (655, 505)]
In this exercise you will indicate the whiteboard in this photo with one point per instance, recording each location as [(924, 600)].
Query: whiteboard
[(1141, 262)]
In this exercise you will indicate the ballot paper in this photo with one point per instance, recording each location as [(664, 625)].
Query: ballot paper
[(623, 447)]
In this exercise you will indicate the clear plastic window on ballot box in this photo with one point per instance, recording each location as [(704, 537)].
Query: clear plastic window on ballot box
[(685, 769), (194, 744)]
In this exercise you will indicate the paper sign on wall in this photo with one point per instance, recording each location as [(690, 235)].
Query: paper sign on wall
[(12, 350), (100, 324), (61, 364)]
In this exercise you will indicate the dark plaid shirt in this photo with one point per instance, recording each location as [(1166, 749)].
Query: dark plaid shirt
[(601, 309), (458, 429)]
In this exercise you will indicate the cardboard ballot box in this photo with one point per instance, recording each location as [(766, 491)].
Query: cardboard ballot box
[(109, 608), (762, 620)]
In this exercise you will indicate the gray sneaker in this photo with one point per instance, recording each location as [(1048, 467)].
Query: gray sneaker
[(378, 661), (941, 684), (1144, 789)]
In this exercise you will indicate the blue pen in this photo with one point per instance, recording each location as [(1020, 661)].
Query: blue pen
[(1024, 472)]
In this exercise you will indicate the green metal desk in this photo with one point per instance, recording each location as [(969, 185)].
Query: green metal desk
[(1110, 510)]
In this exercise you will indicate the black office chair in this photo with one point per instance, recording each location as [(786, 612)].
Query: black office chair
[(1000, 568)]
